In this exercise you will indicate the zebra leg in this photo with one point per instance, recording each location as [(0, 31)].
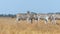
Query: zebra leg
[(38, 19), (31, 21), (17, 19), (53, 22), (27, 20), (46, 21)]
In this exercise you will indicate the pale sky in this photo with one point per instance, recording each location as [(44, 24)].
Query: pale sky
[(22, 6)]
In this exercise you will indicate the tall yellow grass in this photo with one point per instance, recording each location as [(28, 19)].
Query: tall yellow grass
[(10, 26)]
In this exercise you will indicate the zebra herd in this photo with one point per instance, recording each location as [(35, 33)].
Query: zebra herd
[(30, 17)]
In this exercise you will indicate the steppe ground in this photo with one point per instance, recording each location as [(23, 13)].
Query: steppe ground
[(10, 26)]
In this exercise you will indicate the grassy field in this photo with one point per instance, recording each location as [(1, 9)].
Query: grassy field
[(10, 26)]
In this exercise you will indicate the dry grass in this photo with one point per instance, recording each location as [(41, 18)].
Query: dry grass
[(10, 26)]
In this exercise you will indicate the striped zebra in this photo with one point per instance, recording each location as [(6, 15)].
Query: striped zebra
[(53, 19), (21, 17), (45, 18)]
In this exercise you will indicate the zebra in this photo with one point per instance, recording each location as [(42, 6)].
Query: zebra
[(53, 19), (30, 18), (21, 17), (45, 18)]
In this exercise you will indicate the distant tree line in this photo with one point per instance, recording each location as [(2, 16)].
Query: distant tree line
[(9, 15), (54, 13)]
